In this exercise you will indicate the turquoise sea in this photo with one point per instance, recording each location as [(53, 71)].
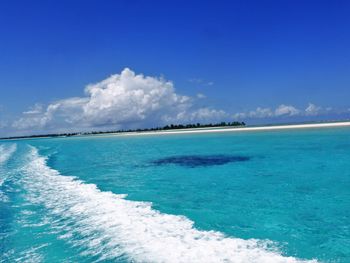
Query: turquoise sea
[(267, 196)]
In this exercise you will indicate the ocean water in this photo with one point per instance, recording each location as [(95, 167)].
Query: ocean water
[(267, 196)]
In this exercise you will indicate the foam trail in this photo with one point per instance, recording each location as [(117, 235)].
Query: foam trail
[(6, 151), (108, 227)]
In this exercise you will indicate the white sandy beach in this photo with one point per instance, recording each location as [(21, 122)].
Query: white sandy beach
[(236, 129), (213, 130)]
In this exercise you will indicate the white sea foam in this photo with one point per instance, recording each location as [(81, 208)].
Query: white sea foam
[(106, 226), (6, 151)]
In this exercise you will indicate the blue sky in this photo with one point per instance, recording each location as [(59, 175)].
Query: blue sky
[(228, 58)]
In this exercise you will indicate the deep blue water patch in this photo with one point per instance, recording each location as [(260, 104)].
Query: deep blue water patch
[(200, 160)]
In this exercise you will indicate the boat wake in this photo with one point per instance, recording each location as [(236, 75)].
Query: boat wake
[(6, 151), (108, 227)]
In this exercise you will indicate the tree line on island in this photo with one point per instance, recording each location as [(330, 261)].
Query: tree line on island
[(164, 128)]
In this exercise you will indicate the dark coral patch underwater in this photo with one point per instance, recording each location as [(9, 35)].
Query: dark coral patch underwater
[(200, 160)]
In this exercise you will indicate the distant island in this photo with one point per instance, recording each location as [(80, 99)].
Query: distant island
[(164, 128)]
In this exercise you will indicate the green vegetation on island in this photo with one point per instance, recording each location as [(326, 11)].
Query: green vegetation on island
[(164, 128)]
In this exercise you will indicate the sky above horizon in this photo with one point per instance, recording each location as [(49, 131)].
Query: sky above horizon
[(94, 65)]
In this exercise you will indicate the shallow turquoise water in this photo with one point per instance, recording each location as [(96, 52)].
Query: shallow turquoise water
[(272, 196)]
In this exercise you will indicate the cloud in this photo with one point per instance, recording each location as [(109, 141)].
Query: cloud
[(200, 96), (122, 100), (257, 113), (313, 110), (200, 115), (55, 115), (129, 100), (282, 111), (37, 108), (286, 110)]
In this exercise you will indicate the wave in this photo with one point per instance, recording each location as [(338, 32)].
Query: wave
[(106, 226), (6, 152)]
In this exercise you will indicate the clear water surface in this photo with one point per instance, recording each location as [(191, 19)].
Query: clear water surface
[(267, 196)]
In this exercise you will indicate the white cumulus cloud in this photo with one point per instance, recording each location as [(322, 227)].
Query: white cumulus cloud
[(281, 111), (123, 99), (257, 113), (129, 100), (286, 110), (37, 108), (201, 115)]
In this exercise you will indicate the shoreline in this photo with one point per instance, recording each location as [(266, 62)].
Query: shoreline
[(203, 130), (233, 129)]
